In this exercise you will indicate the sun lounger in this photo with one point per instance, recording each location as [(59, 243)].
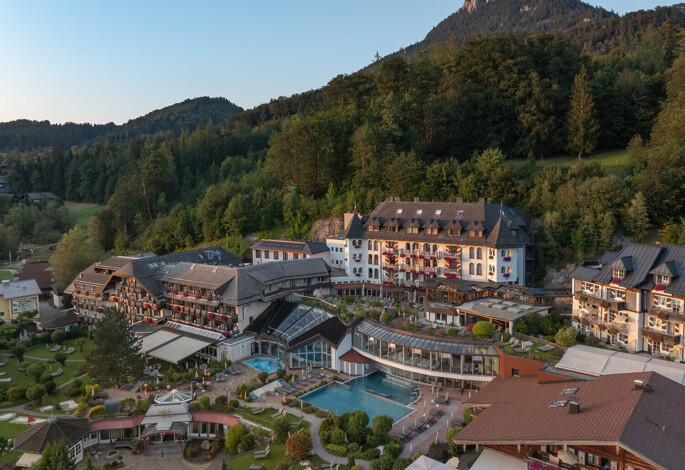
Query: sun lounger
[(328, 466), (294, 424), (441, 400), (3, 363), (257, 410), (70, 350), (256, 467), (56, 348), (9, 379), (262, 454), (416, 427), (279, 413), (59, 372)]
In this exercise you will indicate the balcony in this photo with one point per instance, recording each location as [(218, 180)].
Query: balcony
[(666, 314), (660, 336), (598, 301)]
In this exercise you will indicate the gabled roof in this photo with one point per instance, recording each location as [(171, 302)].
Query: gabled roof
[(668, 268), (41, 271), (622, 262), (290, 246), (70, 431), (355, 229), (646, 423)]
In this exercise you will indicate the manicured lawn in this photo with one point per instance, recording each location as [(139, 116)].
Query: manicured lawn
[(12, 455), (9, 430), (6, 276), (263, 419), (41, 256), (21, 379), (81, 212), (276, 454), (44, 352), (610, 160)]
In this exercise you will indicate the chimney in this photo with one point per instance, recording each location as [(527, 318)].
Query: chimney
[(573, 406), (639, 384)]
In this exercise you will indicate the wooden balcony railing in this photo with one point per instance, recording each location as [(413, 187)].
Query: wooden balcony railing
[(662, 337)]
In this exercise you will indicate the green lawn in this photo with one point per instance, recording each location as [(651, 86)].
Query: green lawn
[(610, 160), (9, 457), (21, 379), (276, 454), (6, 276), (263, 419), (42, 351), (9, 430), (81, 212)]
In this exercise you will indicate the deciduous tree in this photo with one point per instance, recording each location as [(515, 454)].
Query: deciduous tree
[(74, 253)]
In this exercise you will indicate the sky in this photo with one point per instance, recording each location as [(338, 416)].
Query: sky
[(98, 62)]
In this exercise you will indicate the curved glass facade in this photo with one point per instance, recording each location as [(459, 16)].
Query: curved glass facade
[(435, 357)]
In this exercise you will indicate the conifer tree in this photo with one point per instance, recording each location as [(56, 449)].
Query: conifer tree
[(582, 124), (116, 352)]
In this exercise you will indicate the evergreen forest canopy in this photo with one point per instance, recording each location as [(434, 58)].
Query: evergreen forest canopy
[(25, 135), (449, 123)]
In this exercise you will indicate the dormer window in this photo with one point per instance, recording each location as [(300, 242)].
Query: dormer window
[(618, 274), (472, 233), (414, 230), (431, 231), (373, 228), (399, 211), (475, 233), (663, 280), (453, 232), (392, 228)]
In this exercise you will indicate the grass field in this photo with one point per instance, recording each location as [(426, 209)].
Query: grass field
[(81, 212), (22, 379), (6, 275), (610, 160), (276, 454), (42, 351), (9, 430)]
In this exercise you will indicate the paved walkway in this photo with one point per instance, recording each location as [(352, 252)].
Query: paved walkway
[(317, 446)]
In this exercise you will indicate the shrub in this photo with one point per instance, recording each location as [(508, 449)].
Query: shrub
[(506, 336), (280, 373), (393, 449), (35, 392), (204, 402), (262, 376), (50, 386), (299, 445), (566, 337), (61, 357), (221, 400), (58, 336), (281, 429), (35, 370), (430, 330), (439, 451), (381, 425), (580, 337), (453, 332), (340, 451), (18, 350), (484, 329), (96, 411), (141, 407), (357, 467), (81, 408), (24, 365), (16, 393), (352, 447), (550, 338), (247, 443), (338, 437), (350, 461), (234, 403), (348, 299), (401, 464), (73, 392), (191, 451), (468, 415), (384, 462), (509, 349), (370, 454), (387, 317), (234, 437)]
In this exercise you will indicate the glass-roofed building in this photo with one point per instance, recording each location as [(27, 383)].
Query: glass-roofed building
[(298, 334)]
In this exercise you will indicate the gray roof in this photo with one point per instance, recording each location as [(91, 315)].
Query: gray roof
[(607, 257), (499, 308), (644, 262), (18, 289), (596, 361), (498, 227), (46, 195), (238, 285), (291, 246)]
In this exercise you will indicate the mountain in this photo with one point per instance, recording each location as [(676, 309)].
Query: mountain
[(23, 134), (478, 18)]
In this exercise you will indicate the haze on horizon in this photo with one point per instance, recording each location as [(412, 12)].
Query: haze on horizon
[(95, 62)]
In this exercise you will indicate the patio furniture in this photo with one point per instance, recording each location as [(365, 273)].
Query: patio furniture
[(3, 363), (295, 424), (256, 467), (58, 372), (519, 350), (441, 400), (527, 344), (328, 466), (457, 422), (279, 413), (416, 427), (9, 379), (434, 411), (257, 410), (70, 351), (56, 348), (546, 348), (262, 454)]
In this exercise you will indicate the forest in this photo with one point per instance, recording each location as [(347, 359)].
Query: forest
[(470, 122)]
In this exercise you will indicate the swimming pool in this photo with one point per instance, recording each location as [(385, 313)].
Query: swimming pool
[(265, 364), (376, 394)]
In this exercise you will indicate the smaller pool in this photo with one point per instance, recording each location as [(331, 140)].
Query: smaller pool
[(265, 364)]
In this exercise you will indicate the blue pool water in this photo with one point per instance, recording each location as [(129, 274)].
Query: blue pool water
[(375, 394), (265, 364)]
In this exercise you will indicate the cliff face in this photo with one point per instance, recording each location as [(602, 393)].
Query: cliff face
[(326, 228), (471, 5)]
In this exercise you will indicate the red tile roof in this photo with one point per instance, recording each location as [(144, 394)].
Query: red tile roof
[(612, 412), (116, 423), (354, 356)]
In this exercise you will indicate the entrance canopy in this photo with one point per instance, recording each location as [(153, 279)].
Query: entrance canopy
[(164, 417), (174, 342), (176, 428)]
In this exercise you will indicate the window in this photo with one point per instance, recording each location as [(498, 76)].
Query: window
[(616, 294), (431, 231), (392, 228), (460, 213), (258, 254), (472, 233), (480, 253), (514, 372), (295, 256), (663, 280), (266, 254), (438, 212), (479, 269), (285, 256), (502, 269), (503, 253), (472, 253), (373, 228), (454, 232), (370, 245), (375, 246), (471, 270), (618, 273), (419, 212), (399, 211), (276, 255), (413, 230)]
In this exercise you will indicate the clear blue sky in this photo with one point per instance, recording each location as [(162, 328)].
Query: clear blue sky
[(96, 61)]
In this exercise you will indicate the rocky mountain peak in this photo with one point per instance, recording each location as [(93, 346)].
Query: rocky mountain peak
[(471, 5)]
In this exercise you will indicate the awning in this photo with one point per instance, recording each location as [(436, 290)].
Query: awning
[(492, 460), (179, 349), (176, 428), (28, 460)]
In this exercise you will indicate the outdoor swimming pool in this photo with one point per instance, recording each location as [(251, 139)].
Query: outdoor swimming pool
[(376, 394), (265, 364)]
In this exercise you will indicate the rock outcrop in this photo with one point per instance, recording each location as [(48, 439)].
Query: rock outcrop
[(326, 228)]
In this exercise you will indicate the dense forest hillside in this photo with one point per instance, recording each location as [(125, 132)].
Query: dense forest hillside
[(28, 135), (442, 125), (478, 18)]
